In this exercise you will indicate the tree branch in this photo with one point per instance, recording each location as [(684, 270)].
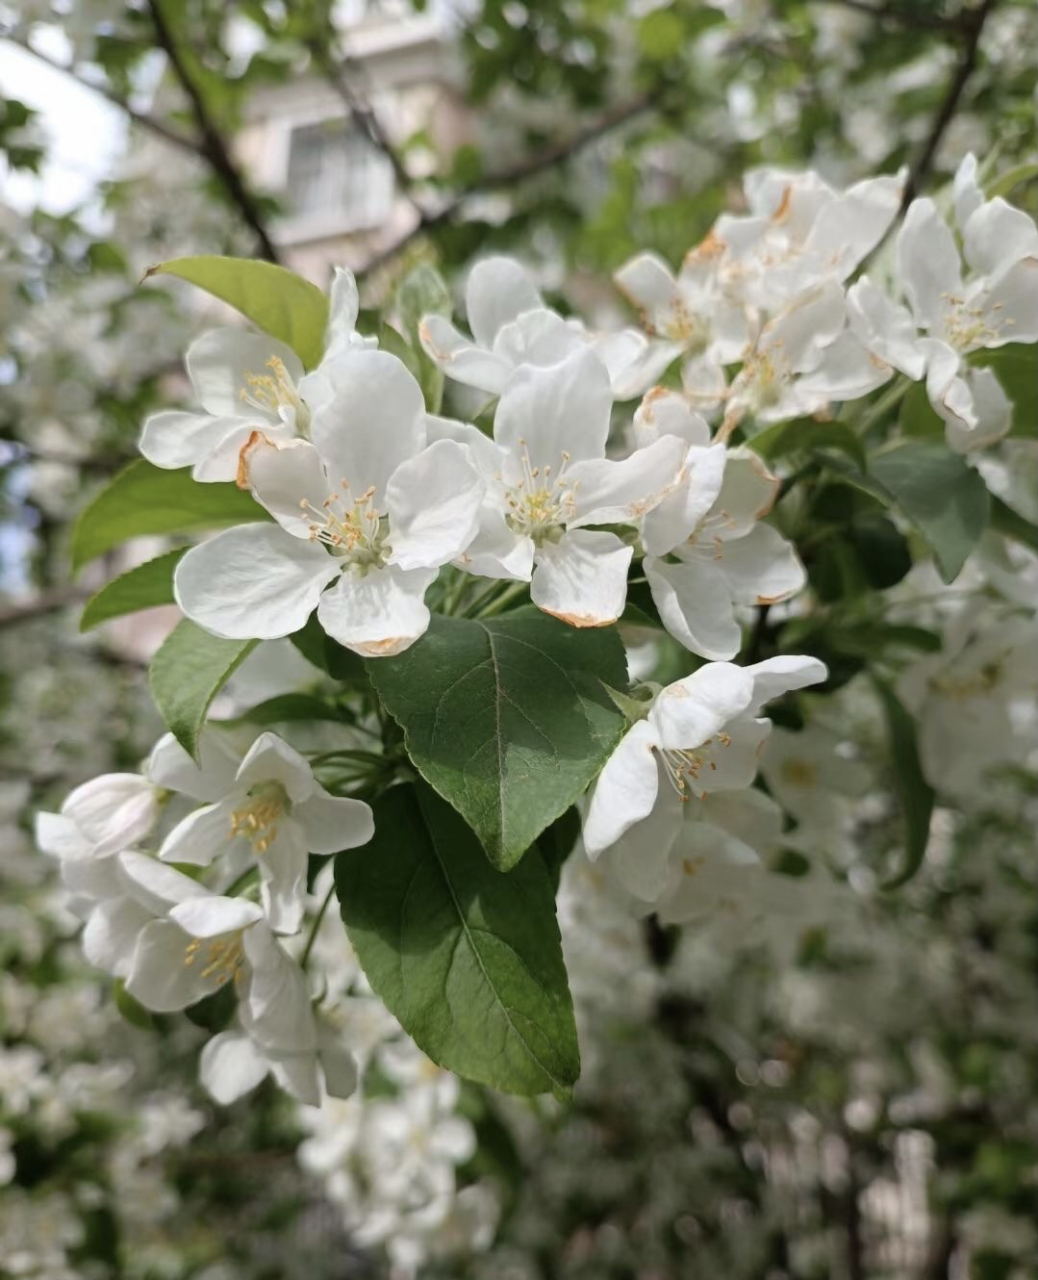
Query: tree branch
[(973, 25), (163, 131), (913, 19), (361, 112), (512, 176), (47, 602), (212, 147)]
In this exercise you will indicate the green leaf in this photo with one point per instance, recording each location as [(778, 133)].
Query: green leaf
[(424, 292), (188, 671), (1007, 182), (1016, 368), (1011, 524), (144, 587), (144, 499), (277, 301), (291, 706), (914, 793), (318, 648), (469, 959), (807, 436), (506, 717), (940, 493)]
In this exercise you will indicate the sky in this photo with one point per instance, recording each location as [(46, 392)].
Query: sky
[(85, 132)]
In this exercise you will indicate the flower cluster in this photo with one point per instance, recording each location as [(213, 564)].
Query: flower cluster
[(458, 582)]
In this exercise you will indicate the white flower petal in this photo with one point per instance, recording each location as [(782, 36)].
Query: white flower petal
[(276, 1010), (223, 461), (695, 606), (497, 551), (113, 811), (174, 439), (805, 328), (343, 309), (539, 337), (848, 228), (776, 676), (271, 759), (333, 823), (648, 284), (640, 857), (212, 916), (170, 766), (582, 579), (748, 493), (460, 358), (609, 492), (282, 867), (220, 363), (368, 418), (433, 503), (297, 1074), (679, 514), (762, 568), (252, 582), (231, 1066), (498, 290), (160, 975), (1011, 305), (625, 791), (288, 479), (202, 836), (111, 934), (664, 412), (997, 236), (338, 1064), (928, 265), (732, 761), (704, 383), (380, 614), (563, 409), (695, 708), (968, 195), (993, 410), (59, 837), (948, 393), (845, 371), (885, 327), (633, 363)]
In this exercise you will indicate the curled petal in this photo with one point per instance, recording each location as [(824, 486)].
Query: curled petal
[(582, 579)]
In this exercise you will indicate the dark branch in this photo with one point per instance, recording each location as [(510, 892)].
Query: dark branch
[(212, 147), (154, 126), (48, 602), (973, 20), (512, 176), (335, 71), (913, 19)]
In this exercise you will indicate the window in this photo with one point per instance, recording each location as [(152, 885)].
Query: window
[(336, 173)]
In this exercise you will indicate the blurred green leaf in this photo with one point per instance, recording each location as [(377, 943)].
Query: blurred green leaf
[(187, 672), (144, 587)]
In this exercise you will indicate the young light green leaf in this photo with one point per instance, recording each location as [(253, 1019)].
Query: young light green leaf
[(1016, 368), (144, 587), (807, 436), (277, 301), (423, 292), (914, 792), (944, 497), (144, 499), (468, 958), (1011, 524), (507, 718), (190, 668)]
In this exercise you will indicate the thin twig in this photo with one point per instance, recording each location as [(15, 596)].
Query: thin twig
[(163, 131), (48, 602), (973, 26), (511, 176), (213, 147), (913, 19), (363, 115)]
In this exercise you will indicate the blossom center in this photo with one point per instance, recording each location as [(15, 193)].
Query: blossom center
[(708, 537), (217, 957), (352, 527), (275, 392), (689, 330), (967, 328), (540, 502), (684, 766), (801, 773), (257, 819)]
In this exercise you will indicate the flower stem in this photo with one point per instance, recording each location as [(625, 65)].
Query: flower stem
[(495, 606), (315, 926)]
